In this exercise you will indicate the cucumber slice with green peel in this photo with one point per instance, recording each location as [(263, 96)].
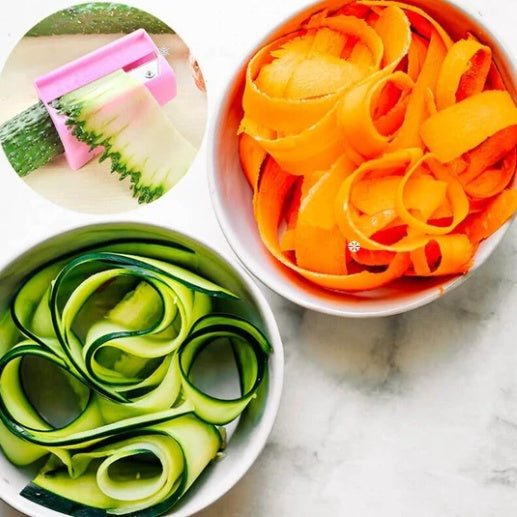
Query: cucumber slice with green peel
[(139, 472), (118, 113), (250, 348), (99, 18), (141, 430), (9, 333)]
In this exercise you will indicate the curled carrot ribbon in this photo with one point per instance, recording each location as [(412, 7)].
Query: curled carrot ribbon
[(376, 146)]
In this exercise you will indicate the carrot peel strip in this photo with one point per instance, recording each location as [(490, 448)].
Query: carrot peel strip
[(455, 254), (461, 127), (356, 114), (483, 224), (274, 185), (456, 63), (455, 194)]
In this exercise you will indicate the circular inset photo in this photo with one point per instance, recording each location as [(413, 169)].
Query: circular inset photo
[(102, 108)]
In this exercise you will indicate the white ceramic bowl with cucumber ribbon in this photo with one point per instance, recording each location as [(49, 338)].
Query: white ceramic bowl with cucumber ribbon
[(232, 196), (211, 275)]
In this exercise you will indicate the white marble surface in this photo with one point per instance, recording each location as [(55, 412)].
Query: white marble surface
[(412, 415)]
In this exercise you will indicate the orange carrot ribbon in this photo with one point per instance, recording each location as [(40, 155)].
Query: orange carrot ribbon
[(376, 146)]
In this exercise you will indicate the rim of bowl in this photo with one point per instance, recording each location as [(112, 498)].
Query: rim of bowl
[(275, 367), (507, 66)]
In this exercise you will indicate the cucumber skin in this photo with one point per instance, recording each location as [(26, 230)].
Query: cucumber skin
[(55, 502), (99, 18), (30, 139)]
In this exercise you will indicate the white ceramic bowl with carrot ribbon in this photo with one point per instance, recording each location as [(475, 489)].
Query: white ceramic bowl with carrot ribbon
[(364, 156)]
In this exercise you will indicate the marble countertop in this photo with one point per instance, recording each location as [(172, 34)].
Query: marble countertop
[(410, 415)]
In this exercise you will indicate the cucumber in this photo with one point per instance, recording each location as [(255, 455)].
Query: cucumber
[(250, 350), (30, 139), (118, 113), (122, 325), (137, 309), (111, 478), (9, 333), (99, 18)]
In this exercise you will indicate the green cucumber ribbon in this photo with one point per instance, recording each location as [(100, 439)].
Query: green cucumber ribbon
[(123, 325)]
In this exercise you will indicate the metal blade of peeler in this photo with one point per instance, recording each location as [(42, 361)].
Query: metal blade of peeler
[(146, 71)]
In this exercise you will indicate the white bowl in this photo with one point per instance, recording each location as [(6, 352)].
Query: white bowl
[(249, 435), (231, 194)]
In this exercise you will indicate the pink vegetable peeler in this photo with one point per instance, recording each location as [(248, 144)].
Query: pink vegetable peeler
[(135, 53)]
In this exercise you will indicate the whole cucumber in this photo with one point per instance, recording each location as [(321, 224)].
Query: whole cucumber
[(30, 139), (99, 18)]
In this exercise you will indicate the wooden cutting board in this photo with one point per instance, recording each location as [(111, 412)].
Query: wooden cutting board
[(91, 189)]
